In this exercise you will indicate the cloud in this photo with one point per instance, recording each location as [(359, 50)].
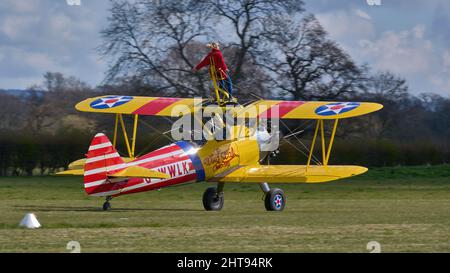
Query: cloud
[(346, 25), (446, 59), (404, 52), (410, 54), (408, 37), (14, 26), (46, 35), (419, 31), (363, 14)]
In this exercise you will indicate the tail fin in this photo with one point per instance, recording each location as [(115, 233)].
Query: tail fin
[(101, 158)]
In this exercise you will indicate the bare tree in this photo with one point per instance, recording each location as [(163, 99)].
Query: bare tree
[(400, 109), (304, 63), (49, 103), (57, 82), (141, 35), (11, 112), (250, 22), (161, 43)]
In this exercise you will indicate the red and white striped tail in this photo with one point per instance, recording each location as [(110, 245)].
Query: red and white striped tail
[(101, 158)]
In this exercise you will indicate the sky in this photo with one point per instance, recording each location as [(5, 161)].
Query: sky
[(410, 38)]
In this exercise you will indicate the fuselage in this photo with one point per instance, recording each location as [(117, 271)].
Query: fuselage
[(185, 162)]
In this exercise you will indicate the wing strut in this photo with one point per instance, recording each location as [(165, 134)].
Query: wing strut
[(130, 148), (326, 152)]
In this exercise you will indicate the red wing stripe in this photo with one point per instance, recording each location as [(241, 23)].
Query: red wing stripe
[(284, 107), (156, 106)]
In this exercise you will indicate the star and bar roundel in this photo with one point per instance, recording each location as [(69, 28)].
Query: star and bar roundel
[(110, 102), (278, 201), (336, 108)]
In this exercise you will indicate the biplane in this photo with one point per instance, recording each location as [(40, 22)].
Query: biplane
[(236, 159)]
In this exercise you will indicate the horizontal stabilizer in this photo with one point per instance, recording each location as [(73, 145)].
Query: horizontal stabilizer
[(289, 174), (79, 164), (71, 172), (139, 172)]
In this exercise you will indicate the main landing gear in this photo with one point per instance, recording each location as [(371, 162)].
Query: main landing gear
[(107, 205), (274, 200), (213, 198)]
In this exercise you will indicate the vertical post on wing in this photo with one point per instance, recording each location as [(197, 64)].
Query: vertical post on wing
[(322, 133), (133, 145), (331, 142), (125, 135), (313, 144), (116, 125)]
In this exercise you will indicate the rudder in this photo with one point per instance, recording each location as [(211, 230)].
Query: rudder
[(101, 158)]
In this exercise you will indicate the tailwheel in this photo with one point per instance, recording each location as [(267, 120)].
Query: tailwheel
[(107, 205), (275, 200), (213, 199)]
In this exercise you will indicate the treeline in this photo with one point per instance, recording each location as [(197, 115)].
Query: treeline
[(22, 153), (376, 153)]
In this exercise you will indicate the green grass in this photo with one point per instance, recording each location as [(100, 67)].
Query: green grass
[(404, 209)]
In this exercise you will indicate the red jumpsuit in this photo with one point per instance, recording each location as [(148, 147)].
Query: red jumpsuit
[(219, 63)]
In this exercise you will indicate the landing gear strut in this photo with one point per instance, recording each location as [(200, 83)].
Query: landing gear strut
[(107, 205), (213, 198)]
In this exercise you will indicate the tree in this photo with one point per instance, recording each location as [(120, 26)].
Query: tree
[(399, 108), (12, 112), (304, 63), (50, 101), (161, 43), (141, 35), (250, 20), (57, 82)]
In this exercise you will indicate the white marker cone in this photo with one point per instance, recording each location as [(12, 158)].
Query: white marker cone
[(30, 221)]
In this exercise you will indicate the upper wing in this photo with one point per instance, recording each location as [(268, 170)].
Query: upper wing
[(162, 106), (152, 106), (289, 174), (308, 109)]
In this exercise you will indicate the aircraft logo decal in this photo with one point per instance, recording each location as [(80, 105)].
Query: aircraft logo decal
[(278, 201), (336, 108), (220, 158), (110, 102)]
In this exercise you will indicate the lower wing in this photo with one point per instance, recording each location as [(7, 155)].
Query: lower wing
[(288, 174)]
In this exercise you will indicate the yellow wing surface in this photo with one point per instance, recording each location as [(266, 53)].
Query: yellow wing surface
[(149, 106), (308, 109), (162, 106), (289, 174)]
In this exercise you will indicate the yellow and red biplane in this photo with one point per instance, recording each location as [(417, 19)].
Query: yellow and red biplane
[(236, 159)]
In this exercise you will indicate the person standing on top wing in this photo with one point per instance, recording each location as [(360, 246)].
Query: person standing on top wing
[(221, 68)]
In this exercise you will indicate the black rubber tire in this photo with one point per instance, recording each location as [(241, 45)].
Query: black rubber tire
[(106, 206), (211, 200), (275, 200)]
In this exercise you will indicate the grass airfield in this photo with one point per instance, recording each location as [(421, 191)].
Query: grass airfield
[(404, 209)]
